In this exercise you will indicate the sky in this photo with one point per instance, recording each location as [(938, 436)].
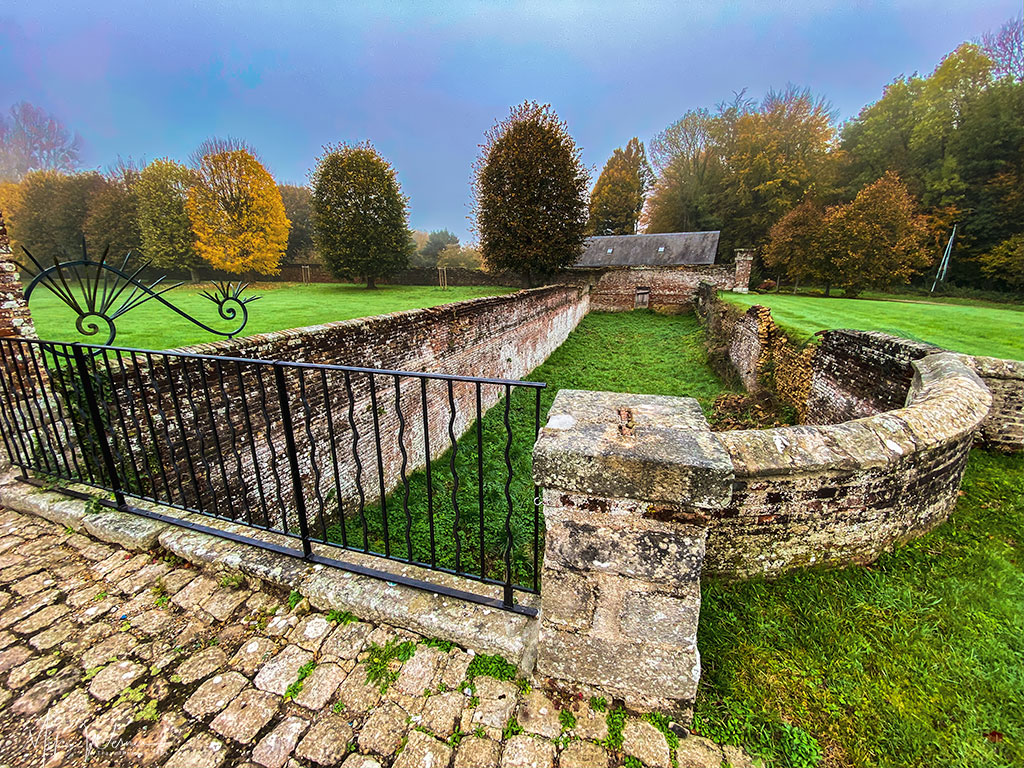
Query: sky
[(423, 80)]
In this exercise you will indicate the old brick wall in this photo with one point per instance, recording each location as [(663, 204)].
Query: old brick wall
[(749, 345), (844, 493), (860, 373), (204, 409), (1003, 430)]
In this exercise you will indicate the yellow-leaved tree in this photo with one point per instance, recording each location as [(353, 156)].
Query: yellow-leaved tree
[(237, 214)]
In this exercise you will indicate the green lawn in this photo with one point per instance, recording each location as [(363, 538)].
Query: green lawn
[(639, 352), (916, 660), (976, 328), (283, 305)]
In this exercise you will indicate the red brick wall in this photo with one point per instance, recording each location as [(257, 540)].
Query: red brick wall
[(673, 289)]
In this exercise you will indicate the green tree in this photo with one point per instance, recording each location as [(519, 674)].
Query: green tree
[(236, 213), (530, 187), (360, 214), (437, 241), (51, 212), (877, 240), (619, 193), (164, 227), (298, 207), (112, 220), (690, 162), (1006, 261)]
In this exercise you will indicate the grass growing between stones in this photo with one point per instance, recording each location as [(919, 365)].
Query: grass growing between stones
[(916, 660), (639, 352)]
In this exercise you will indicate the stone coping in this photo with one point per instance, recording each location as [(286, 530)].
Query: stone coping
[(947, 401), (648, 447), (471, 625)]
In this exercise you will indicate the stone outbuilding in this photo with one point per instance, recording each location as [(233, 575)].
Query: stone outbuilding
[(657, 271)]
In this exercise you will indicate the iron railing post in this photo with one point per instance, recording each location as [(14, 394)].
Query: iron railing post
[(293, 457), (97, 422)]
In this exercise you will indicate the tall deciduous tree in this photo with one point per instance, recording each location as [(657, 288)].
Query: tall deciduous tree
[(167, 239), (530, 194), (779, 154), (237, 214), (31, 139), (112, 220), (1005, 47), (619, 193), (459, 256), (298, 206), (360, 214), (877, 240), (795, 247)]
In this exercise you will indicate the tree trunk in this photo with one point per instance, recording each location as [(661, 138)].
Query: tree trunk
[(796, 287), (371, 282), (828, 287), (193, 275)]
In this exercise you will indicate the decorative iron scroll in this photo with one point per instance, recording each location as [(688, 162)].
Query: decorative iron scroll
[(99, 294)]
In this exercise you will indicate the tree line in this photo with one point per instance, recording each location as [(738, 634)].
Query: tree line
[(866, 204)]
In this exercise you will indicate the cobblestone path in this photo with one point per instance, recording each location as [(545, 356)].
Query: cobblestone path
[(115, 658)]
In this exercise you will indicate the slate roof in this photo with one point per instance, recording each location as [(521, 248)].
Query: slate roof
[(680, 248)]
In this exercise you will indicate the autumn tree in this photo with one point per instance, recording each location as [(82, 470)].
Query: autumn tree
[(360, 215), (530, 194), (165, 231), (689, 159), (461, 257), (428, 254), (877, 240), (619, 193), (236, 213), (1005, 262), (298, 207), (31, 139), (778, 155), (795, 249)]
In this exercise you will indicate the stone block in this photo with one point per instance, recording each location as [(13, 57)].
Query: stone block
[(649, 447)]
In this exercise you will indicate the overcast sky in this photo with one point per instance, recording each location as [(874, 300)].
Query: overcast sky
[(424, 80)]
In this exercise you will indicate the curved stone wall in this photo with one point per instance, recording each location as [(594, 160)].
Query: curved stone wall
[(844, 493)]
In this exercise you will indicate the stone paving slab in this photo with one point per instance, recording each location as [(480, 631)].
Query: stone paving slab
[(114, 659)]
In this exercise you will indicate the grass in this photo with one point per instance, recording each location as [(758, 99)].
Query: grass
[(917, 660), (639, 352), (974, 328), (283, 305)]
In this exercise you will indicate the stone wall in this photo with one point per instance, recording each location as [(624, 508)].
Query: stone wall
[(15, 319), (846, 374), (844, 493), (641, 500), (624, 546)]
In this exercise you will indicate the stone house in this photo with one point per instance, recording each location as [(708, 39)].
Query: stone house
[(657, 271)]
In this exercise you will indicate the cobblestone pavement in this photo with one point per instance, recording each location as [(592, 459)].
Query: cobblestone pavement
[(115, 658)]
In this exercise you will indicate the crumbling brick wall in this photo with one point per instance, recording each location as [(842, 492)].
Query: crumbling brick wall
[(15, 319)]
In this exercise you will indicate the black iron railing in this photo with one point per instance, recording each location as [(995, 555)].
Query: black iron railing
[(423, 468)]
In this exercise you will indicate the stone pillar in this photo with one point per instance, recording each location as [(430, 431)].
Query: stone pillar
[(15, 319), (744, 259), (627, 482)]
